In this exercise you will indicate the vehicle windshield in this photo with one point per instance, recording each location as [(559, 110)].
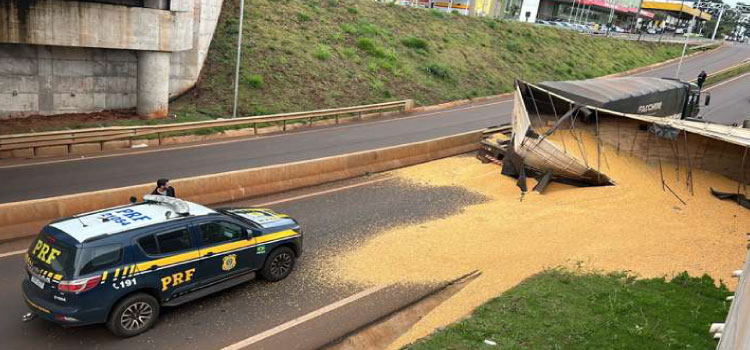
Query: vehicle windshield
[(51, 254)]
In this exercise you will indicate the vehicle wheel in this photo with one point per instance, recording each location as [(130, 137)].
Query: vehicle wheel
[(278, 264), (133, 315)]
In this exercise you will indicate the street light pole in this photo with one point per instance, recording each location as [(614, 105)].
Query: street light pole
[(684, 47), (239, 54), (718, 21)]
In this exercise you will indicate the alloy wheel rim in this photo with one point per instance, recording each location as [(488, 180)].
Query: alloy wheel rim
[(281, 264), (136, 316)]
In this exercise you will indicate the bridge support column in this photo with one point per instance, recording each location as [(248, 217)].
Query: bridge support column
[(153, 83)]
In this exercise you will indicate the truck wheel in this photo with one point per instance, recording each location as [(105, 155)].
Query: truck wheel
[(133, 315), (278, 264)]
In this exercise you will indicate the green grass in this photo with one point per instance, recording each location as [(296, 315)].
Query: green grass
[(322, 54), (560, 309), (739, 70)]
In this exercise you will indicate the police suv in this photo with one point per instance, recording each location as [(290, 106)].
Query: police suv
[(120, 265)]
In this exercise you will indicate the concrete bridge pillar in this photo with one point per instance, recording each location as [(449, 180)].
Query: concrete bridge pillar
[(153, 83)]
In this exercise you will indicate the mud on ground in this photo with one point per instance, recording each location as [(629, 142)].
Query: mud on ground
[(62, 121)]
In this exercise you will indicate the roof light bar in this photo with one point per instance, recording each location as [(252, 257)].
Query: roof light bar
[(179, 206)]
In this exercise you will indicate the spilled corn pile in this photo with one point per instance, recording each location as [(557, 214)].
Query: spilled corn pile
[(633, 226)]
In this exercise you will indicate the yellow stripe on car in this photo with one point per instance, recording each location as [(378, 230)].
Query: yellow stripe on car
[(35, 305), (276, 236)]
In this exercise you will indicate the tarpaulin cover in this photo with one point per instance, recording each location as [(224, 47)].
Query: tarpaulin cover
[(656, 97)]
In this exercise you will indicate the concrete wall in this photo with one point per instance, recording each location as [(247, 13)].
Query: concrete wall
[(50, 79), (85, 24), (42, 79)]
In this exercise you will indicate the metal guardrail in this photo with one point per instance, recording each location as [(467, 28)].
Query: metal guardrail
[(100, 135), (734, 333)]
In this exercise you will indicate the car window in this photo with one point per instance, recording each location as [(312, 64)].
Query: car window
[(92, 259), (174, 241), (219, 231), (148, 244)]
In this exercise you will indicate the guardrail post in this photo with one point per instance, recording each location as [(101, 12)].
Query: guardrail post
[(283, 125), (255, 128), (359, 115), (310, 121), (337, 119), (158, 134)]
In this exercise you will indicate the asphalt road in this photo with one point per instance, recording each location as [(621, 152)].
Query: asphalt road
[(730, 101), (94, 173), (332, 221)]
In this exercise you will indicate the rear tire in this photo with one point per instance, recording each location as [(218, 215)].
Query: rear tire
[(133, 315), (278, 265)]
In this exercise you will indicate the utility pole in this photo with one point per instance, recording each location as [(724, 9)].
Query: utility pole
[(684, 46), (718, 21), (572, 9), (638, 16), (239, 54)]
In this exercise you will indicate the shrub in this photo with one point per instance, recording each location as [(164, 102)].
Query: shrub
[(303, 17), (254, 80), (348, 52), (369, 46), (323, 52), (367, 29), (352, 10), (439, 70), (415, 43), (437, 13), (348, 28)]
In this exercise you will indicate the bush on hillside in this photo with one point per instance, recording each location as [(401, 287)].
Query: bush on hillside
[(415, 42)]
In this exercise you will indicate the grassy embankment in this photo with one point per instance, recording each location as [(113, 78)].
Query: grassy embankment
[(559, 309), (305, 55)]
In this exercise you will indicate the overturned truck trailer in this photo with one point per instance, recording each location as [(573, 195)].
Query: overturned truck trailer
[(649, 118)]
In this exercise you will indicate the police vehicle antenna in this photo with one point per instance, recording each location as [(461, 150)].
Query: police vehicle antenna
[(81, 221)]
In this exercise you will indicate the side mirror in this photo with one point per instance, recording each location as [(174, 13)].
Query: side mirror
[(708, 99), (252, 233), (133, 199)]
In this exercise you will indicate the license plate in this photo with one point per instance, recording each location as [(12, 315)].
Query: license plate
[(39, 283)]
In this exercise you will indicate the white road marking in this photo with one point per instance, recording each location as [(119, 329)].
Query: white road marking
[(2, 255), (299, 320), (726, 81), (163, 149)]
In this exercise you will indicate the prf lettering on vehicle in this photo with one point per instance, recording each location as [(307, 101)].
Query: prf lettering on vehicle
[(124, 217), (44, 252), (177, 279)]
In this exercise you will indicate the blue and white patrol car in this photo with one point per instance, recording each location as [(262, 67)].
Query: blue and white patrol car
[(120, 265)]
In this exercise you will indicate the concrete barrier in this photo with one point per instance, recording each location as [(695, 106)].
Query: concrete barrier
[(22, 219)]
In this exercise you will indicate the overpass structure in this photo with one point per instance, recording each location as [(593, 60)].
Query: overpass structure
[(73, 56)]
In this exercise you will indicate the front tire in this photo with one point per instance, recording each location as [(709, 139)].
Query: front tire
[(133, 315), (278, 264)]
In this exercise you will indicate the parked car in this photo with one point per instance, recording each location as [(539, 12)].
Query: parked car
[(120, 266)]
